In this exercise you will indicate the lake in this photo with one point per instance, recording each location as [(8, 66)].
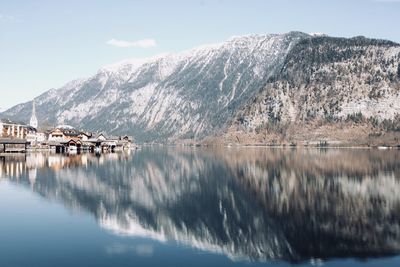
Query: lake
[(168, 206)]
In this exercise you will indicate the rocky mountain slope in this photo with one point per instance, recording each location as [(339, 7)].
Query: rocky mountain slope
[(255, 88), (172, 96), (325, 82)]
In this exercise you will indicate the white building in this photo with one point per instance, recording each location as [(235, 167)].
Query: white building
[(34, 137), (33, 122), (9, 129)]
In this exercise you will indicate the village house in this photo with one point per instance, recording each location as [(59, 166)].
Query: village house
[(12, 136), (35, 138), (101, 137), (56, 135), (10, 129), (31, 135), (72, 134), (85, 136), (65, 133)]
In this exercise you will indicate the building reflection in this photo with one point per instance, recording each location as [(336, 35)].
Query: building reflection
[(15, 166), (249, 204)]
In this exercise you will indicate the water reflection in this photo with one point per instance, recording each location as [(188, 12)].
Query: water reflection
[(249, 204)]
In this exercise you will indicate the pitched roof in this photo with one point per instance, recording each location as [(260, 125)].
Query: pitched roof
[(113, 137), (54, 143), (12, 141), (101, 134), (87, 134), (70, 132)]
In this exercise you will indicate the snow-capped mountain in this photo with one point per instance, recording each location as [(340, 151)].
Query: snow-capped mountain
[(181, 95), (246, 82)]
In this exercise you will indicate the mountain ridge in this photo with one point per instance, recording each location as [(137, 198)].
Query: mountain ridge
[(199, 92), (327, 86)]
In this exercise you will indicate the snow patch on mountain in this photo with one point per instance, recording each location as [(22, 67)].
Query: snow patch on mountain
[(197, 92)]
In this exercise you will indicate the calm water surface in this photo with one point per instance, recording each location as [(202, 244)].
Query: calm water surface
[(201, 207)]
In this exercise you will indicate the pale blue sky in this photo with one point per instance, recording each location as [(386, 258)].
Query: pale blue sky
[(46, 43)]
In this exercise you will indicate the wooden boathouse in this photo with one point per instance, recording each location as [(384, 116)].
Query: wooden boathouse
[(12, 145)]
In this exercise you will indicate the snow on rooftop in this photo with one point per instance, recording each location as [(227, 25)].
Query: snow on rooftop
[(65, 126)]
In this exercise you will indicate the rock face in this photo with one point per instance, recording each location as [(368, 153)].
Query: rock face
[(329, 80), (248, 83)]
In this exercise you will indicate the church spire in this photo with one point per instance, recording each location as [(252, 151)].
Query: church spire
[(33, 122)]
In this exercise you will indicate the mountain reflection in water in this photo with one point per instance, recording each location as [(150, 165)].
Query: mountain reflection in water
[(252, 204)]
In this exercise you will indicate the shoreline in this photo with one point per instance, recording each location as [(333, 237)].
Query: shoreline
[(214, 145)]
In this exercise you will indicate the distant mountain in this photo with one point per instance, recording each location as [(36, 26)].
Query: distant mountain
[(239, 86)]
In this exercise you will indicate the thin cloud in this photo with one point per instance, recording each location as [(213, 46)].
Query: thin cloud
[(144, 43), (6, 17)]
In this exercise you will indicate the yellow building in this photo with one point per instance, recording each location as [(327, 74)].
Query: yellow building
[(10, 129)]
